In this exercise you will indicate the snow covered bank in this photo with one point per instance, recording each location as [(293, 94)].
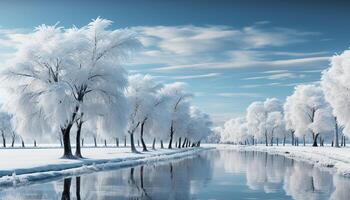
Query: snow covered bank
[(20, 166), (325, 157)]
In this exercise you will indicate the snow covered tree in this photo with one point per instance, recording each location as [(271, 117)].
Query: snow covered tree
[(260, 123), (335, 85), (215, 136), (199, 127), (142, 95), (160, 117), (307, 112), (235, 131), (178, 105), (276, 126), (59, 76), (5, 127)]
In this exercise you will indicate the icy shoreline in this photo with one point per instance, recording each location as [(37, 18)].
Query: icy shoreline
[(337, 159), (21, 173)]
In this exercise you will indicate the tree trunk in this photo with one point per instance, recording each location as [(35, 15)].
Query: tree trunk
[(284, 140), (67, 149), (336, 133), (144, 147), (344, 141), (277, 141), (105, 143), (124, 141), (116, 142), (315, 136), (82, 142), (3, 139), (132, 144), (13, 140), (184, 143), (179, 146), (34, 143), (161, 144), (171, 135), (138, 143), (271, 142), (23, 144), (154, 144), (266, 139), (292, 138), (77, 139), (95, 141), (304, 139), (175, 144), (341, 141)]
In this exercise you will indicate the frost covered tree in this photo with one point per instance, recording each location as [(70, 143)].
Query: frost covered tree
[(143, 97), (199, 127), (5, 127), (140, 100), (275, 125), (307, 112), (235, 131), (335, 85), (215, 136), (160, 117), (178, 108), (261, 120), (59, 76)]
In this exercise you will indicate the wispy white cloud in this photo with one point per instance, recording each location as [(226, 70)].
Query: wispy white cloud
[(260, 85), (275, 71), (276, 76), (235, 65), (300, 83), (186, 47), (198, 76), (238, 94)]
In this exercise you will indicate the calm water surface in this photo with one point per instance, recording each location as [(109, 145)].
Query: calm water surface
[(215, 174)]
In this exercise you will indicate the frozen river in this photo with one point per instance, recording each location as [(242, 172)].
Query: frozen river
[(214, 174)]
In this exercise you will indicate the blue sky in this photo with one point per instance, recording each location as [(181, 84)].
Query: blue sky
[(230, 53)]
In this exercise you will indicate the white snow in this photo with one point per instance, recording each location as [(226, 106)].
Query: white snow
[(325, 157), (19, 166)]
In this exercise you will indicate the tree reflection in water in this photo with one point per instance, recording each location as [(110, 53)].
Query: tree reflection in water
[(199, 177), (66, 189)]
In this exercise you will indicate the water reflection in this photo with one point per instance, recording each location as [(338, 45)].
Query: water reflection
[(210, 175), (298, 180)]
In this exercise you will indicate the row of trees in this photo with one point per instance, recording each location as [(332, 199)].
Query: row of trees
[(314, 112), (73, 80)]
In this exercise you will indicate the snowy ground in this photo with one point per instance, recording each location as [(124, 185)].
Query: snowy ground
[(326, 157), (21, 166)]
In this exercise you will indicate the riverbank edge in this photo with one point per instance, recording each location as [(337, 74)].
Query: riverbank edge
[(18, 177), (326, 159)]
